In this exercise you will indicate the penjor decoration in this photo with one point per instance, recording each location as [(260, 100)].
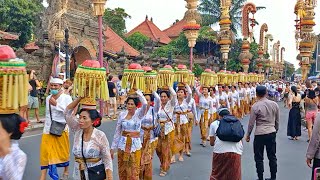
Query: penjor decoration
[(263, 29), (225, 35), (245, 55), (90, 83), (14, 82), (305, 37), (191, 29)]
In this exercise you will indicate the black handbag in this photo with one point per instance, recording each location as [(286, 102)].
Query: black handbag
[(156, 129), (96, 172), (56, 127)]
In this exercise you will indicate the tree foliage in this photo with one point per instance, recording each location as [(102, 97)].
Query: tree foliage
[(234, 63), (211, 12), (197, 70), (180, 46), (116, 19), (20, 16), (137, 40)]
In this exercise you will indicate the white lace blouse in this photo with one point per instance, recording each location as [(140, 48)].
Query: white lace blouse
[(129, 125), (12, 166), (150, 119), (97, 147), (166, 112)]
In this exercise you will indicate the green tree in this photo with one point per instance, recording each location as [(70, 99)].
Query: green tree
[(137, 40), (116, 19), (234, 63), (20, 16), (254, 47), (197, 70), (211, 12)]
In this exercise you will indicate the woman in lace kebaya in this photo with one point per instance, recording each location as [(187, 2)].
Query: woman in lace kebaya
[(12, 159), (180, 119), (206, 107), (149, 141), (166, 138), (126, 140), (91, 146)]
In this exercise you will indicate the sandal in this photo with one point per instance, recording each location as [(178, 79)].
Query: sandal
[(162, 174), (181, 159), (65, 177), (188, 154)]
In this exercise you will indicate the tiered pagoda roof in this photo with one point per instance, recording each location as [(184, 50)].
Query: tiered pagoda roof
[(115, 44), (8, 36), (30, 47), (149, 29), (175, 30)]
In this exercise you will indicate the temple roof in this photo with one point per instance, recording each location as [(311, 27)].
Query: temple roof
[(174, 30), (8, 36), (149, 29), (115, 44), (30, 47)]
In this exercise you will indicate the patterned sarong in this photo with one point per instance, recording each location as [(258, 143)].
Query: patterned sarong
[(226, 166), (129, 169), (163, 150)]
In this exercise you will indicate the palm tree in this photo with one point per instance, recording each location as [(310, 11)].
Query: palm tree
[(211, 12)]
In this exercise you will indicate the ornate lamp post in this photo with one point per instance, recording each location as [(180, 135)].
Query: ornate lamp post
[(225, 34), (304, 33), (245, 55), (191, 29), (98, 8)]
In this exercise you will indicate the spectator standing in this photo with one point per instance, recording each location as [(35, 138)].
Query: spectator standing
[(112, 99), (121, 93), (33, 100), (265, 115), (313, 153)]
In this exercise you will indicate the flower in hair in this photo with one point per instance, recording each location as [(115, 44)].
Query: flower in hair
[(96, 122), (23, 126)]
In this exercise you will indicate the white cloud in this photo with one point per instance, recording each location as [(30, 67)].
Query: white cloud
[(278, 15)]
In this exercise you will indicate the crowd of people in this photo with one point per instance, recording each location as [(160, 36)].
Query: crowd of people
[(161, 123)]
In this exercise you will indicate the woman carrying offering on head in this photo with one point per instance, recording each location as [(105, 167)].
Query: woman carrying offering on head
[(166, 138), (126, 140)]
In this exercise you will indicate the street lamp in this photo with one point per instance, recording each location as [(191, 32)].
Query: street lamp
[(98, 8)]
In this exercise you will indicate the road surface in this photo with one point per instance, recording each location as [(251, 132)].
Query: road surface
[(290, 154)]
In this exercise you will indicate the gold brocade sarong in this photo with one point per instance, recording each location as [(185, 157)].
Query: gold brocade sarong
[(163, 150), (204, 124), (129, 136), (190, 127), (146, 168), (180, 134), (234, 111), (246, 107), (213, 117), (241, 108), (130, 169)]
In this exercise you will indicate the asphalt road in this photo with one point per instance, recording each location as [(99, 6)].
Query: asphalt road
[(290, 154)]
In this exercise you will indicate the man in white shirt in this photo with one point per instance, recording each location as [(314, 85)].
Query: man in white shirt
[(54, 149), (226, 161)]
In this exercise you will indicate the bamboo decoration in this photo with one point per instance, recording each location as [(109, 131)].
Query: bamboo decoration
[(90, 82), (14, 81), (165, 77), (151, 82), (207, 79)]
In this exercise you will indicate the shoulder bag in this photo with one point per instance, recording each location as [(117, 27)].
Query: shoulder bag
[(56, 127), (156, 129), (96, 172)]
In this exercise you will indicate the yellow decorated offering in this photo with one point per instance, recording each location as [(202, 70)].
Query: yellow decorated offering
[(165, 77), (133, 77), (14, 82), (182, 74), (206, 79), (191, 78), (151, 82), (90, 82)]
